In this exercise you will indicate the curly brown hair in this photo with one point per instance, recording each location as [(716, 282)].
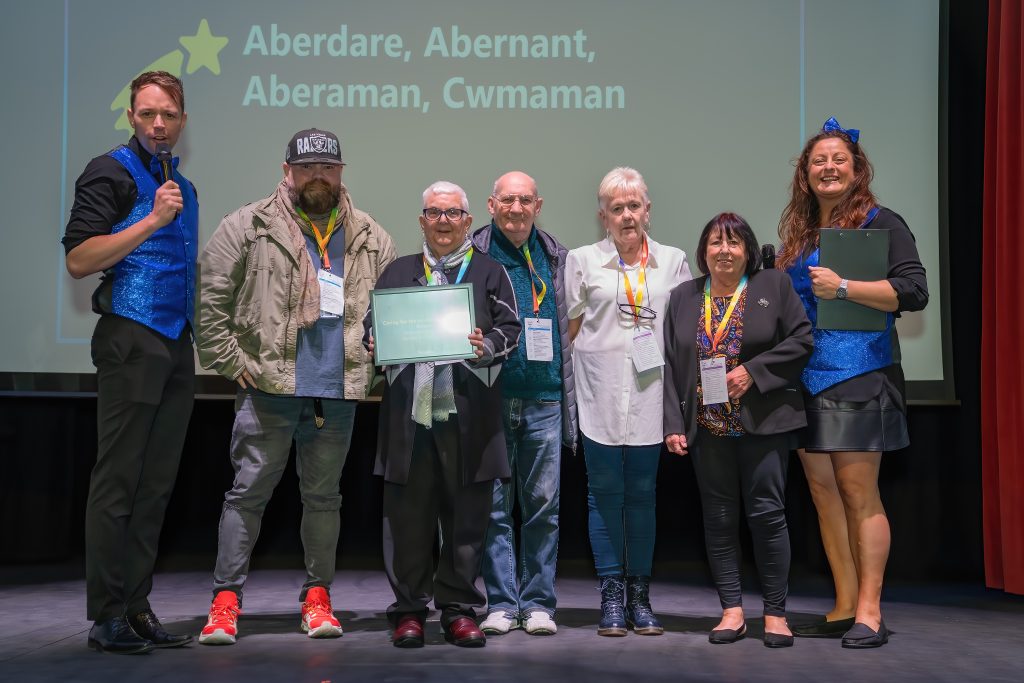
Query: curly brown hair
[(798, 227)]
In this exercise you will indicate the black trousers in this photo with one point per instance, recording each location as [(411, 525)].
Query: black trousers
[(435, 504), (753, 469), (145, 395)]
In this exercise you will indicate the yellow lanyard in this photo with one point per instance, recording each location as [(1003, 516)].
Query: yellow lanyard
[(322, 240), (641, 281), (537, 298), (716, 337)]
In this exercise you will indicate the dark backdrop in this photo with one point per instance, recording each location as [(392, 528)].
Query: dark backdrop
[(932, 490)]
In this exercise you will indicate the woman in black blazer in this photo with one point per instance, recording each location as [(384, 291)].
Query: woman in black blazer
[(736, 341)]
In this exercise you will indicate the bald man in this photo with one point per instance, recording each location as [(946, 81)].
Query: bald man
[(539, 413)]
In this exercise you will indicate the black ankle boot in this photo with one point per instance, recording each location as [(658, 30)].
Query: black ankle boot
[(613, 621), (639, 614)]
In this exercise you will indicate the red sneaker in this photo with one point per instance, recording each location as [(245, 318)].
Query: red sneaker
[(318, 619), (222, 626)]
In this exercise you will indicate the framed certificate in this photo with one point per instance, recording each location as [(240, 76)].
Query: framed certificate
[(416, 324)]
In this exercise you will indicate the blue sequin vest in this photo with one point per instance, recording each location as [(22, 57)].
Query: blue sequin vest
[(155, 284), (838, 354)]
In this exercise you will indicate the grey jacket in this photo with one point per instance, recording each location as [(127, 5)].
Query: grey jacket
[(249, 289), (556, 254)]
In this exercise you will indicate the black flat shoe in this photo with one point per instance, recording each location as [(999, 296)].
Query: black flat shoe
[(149, 627), (117, 637), (823, 629), (775, 640), (862, 637), (724, 636)]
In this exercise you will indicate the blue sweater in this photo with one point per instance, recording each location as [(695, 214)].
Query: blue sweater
[(537, 380)]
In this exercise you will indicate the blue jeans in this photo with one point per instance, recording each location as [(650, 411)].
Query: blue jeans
[(620, 496), (261, 439), (533, 436)]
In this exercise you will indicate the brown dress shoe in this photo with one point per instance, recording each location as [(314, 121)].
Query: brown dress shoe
[(464, 632), (408, 632)]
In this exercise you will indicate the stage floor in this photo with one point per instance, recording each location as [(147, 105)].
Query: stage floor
[(942, 633)]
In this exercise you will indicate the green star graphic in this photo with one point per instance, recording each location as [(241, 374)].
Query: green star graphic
[(203, 49)]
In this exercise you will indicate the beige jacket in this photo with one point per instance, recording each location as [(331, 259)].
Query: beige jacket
[(249, 289)]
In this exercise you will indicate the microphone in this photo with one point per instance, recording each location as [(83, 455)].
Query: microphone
[(767, 256), (163, 155)]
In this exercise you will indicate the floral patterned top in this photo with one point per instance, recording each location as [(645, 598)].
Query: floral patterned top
[(721, 419)]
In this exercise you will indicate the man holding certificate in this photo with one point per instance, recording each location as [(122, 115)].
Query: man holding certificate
[(284, 285), (440, 444)]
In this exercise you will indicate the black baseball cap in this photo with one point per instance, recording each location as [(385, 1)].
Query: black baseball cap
[(313, 146)]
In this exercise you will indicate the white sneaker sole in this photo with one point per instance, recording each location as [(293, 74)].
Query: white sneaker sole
[(324, 630), (500, 629), (218, 637)]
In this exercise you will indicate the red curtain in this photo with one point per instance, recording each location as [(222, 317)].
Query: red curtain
[(1002, 305)]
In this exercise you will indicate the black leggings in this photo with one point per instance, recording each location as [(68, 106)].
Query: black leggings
[(753, 468)]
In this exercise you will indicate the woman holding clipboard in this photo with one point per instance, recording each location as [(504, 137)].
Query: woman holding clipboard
[(853, 382)]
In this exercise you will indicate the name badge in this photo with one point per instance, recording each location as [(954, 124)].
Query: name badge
[(712, 381), (646, 354), (539, 344), (332, 294)]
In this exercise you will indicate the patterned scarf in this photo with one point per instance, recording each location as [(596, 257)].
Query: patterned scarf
[(433, 386)]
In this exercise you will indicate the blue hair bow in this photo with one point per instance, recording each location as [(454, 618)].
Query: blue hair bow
[(833, 125)]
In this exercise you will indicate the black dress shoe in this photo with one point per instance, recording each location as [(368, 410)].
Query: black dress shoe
[(149, 627), (862, 637), (408, 632), (775, 640), (823, 629), (117, 637), (724, 636)]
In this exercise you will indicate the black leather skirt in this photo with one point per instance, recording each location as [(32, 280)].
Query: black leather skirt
[(835, 422)]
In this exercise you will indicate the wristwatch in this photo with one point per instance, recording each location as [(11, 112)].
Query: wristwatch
[(841, 292)]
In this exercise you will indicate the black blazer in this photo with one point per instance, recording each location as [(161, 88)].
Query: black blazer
[(777, 343), (482, 451)]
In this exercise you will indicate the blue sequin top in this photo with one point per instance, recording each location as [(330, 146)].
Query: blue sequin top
[(838, 354), (155, 283)]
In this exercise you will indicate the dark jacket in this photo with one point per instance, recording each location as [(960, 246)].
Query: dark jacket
[(556, 254), (777, 342), (477, 385)]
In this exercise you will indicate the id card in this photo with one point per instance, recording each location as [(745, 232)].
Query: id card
[(712, 381), (332, 293), (646, 354), (538, 339)]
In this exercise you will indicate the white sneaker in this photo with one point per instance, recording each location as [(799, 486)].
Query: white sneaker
[(498, 623), (540, 623)]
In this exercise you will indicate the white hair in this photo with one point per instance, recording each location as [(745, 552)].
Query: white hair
[(621, 180), (445, 187)]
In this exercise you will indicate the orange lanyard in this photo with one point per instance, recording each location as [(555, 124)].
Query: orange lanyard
[(322, 240), (716, 337), (537, 298), (641, 281)]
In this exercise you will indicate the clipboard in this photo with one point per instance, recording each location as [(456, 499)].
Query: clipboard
[(854, 255)]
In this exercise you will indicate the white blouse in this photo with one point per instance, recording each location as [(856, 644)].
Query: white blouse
[(617, 405)]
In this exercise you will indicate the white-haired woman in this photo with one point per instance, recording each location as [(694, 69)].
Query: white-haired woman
[(617, 291)]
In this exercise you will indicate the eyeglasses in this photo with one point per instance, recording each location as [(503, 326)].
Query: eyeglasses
[(635, 312), (641, 312), (454, 213), (525, 200)]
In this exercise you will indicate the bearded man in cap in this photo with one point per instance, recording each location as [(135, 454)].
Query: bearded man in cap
[(284, 284)]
